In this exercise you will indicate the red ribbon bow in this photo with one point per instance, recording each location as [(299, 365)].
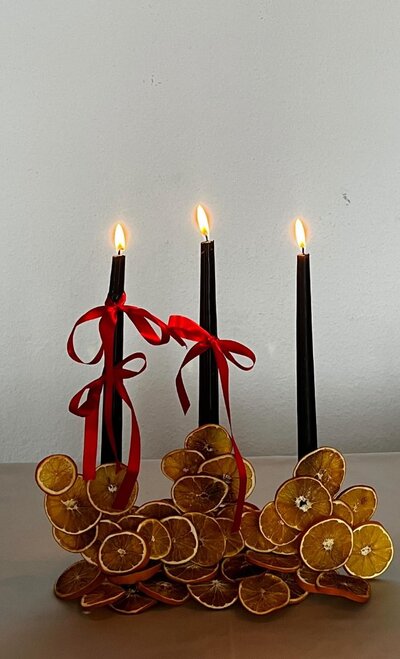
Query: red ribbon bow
[(224, 350), (112, 377)]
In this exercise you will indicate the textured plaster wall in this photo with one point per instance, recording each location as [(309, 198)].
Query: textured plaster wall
[(262, 110)]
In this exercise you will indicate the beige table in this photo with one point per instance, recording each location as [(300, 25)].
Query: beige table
[(34, 624)]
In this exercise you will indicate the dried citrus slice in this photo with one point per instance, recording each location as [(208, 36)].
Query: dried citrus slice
[(157, 509), (104, 528), (75, 543), (76, 580), (198, 494), (263, 593), (103, 489), (327, 545), (274, 528), (134, 577), (292, 548), (190, 572), (211, 539), (56, 473), (326, 465), (133, 602), (343, 511), (234, 542), (238, 567), (215, 594), (210, 440), (181, 462), (104, 594), (184, 540), (164, 591), (274, 562), (342, 585), (297, 593), (156, 538), (123, 552), (307, 579), (130, 522), (301, 501), (252, 536), (72, 511), (225, 468), (372, 551), (362, 501), (229, 510)]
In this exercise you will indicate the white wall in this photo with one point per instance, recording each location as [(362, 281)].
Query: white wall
[(262, 110)]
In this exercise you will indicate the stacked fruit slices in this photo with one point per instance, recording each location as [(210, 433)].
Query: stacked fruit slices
[(185, 547)]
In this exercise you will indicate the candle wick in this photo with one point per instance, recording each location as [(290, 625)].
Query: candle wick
[(119, 252), (206, 237), (302, 250)]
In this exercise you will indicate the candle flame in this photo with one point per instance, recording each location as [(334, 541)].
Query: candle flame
[(300, 234), (119, 238), (202, 221)]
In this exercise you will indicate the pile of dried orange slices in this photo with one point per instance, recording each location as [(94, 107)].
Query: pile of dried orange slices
[(310, 539)]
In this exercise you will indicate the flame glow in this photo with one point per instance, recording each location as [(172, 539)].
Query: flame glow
[(300, 234), (119, 238), (202, 221)]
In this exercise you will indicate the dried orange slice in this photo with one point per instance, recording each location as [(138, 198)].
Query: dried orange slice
[(181, 462), (184, 540), (252, 536), (134, 577), (307, 579), (343, 511), (326, 465), (123, 552), (297, 593), (263, 593), (372, 551), (362, 501), (104, 594), (327, 545), (234, 542), (238, 567), (215, 594), (56, 473), (156, 538), (198, 494), (104, 528), (190, 572), (274, 528), (274, 562), (341, 585), (301, 501), (164, 591), (75, 543), (210, 440), (76, 580), (103, 489), (72, 511), (229, 510), (225, 468), (211, 539), (291, 549), (157, 509), (130, 522), (133, 602)]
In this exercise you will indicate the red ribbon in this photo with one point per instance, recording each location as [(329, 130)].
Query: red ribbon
[(112, 378), (224, 350)]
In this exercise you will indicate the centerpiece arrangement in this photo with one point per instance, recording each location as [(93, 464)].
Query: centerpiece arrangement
[(206, 542)]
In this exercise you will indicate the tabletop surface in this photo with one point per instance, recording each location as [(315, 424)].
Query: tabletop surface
[(33, 623)]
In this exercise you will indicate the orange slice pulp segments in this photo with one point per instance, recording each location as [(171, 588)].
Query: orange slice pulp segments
[(238, 567), (325, 464), (103, 489), (362, 501), (225, 468), (301, 501), (72, 512), (75, 543), (263, 593), (76, 580), (210, 440), (165, 591), (234, 542), (156, 537), (342, 585), (123, 552), (184, 540), (210, 537), (105, 527), (102, 595), (190, 572), (181, 462), (252, 536), (274, 562), (133, 602), (198, 494), (157, 509), (274, 528), (215, 594), (372, 551)]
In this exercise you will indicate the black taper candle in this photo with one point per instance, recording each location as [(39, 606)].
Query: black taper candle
[(208, 373), (117, 283), (306, 414)]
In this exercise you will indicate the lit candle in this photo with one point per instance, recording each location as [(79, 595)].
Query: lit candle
[(306, 416), (208, 373), (117, 282)]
